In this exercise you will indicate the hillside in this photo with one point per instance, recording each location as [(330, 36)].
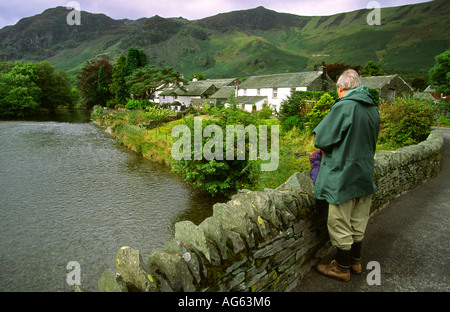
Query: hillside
[(239, 43)]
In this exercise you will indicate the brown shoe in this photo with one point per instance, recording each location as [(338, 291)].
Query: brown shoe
[(356, 268), (333, 270)]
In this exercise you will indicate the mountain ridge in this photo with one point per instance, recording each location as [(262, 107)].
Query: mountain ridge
[(237, 43)]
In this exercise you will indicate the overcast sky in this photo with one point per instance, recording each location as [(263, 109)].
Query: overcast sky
[(11, 11)]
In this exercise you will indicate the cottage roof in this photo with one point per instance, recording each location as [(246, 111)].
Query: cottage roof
[(223, 93), (200, 87), (194, 88), (250, 99), (219, 83), (286, 80), (377, 82)]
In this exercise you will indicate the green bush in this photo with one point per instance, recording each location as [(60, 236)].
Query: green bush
[(406, 121), (265, 113), (137, 104), (219, 177), (292, 121), (300, 103), (320, 109)]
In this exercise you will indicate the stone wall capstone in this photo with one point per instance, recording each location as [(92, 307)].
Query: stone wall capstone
[(262, 241)]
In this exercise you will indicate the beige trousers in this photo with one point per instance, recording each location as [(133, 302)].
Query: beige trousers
[(347, 222)]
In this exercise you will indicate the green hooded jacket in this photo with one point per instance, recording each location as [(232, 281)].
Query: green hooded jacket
[(348, 136)]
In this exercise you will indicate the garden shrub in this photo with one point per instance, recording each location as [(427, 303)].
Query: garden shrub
[(293, 121), (406, 121), (320, 109), (219, 177), (137, 104)]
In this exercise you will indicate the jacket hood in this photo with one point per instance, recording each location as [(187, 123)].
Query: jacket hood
[(361, 95)]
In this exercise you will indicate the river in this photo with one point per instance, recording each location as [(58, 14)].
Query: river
[(69, 192)]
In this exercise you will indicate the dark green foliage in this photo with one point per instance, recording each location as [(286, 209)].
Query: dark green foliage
[(293, 121), (26, 89), (88, 82), (219, 177), (103, 93), (144, 82), (320, 109), (406, 121), (375, 93), (334, 70), (55, 87), (439, 75), (371, 69), (118, 86), (135, 59), (137, 104)]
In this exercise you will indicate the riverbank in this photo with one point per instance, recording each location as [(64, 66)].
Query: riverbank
[(128, 129)]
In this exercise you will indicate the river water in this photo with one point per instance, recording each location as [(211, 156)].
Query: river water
[(69, 192)]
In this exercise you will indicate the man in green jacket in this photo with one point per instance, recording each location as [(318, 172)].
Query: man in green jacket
[(348, 136)]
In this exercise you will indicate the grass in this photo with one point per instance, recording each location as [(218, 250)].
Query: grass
[(295, 149)]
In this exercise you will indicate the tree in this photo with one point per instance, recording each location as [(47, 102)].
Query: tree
[(88, 81), (124, 68), (144, 82), (118, 85), (334, 70), (135, 59), (26, 88), (55, 87), (371, 69), (198, 76), (439, 75), (419, 84), (218, 176), (19, 94), (103, 93)]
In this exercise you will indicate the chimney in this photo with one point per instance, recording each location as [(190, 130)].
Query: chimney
[(324, 78), (324, 69)]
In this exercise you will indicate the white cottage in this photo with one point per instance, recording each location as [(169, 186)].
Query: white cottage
[(194, 91), (278, 87)]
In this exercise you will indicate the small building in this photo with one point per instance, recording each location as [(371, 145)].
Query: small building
[(436, 95), (222, 96), (389, 87), (278, 87), (194, 91)]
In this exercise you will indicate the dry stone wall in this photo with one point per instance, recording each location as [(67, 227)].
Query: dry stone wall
[(262, 241)]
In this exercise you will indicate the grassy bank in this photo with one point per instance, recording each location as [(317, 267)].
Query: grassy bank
[(127, 128)]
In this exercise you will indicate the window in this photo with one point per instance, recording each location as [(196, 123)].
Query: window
[(391, 94), (258, 91), (275, 93)]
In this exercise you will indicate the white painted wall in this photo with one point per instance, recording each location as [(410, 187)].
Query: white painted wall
[(274, 98)]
